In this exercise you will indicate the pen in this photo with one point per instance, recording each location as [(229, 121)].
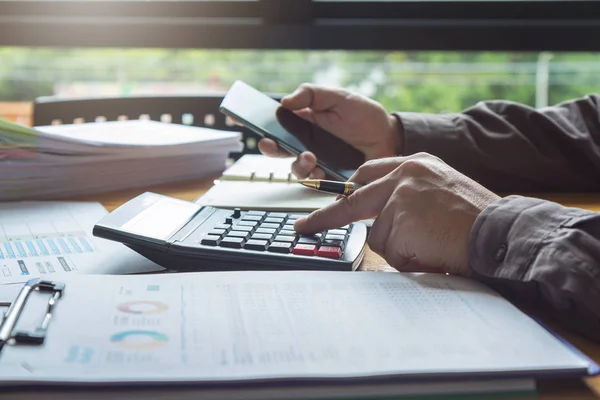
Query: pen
[(345, 188)]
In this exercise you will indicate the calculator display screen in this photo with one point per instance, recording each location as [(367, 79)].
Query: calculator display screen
[(162, 219)]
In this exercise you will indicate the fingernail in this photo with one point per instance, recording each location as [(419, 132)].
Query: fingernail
[(303, 162)]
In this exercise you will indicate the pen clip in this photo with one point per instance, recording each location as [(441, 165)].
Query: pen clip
[(11, 317)]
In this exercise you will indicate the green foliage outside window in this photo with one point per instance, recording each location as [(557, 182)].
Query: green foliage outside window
[(408, 81)]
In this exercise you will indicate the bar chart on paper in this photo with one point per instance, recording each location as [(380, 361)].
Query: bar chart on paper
[(45, 246), (38, 239), (51, 238)]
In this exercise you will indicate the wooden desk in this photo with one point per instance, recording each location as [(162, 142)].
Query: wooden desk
[(573, 390)]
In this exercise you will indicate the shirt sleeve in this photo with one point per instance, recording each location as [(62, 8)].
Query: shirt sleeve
[(511, 147), (543, 253)]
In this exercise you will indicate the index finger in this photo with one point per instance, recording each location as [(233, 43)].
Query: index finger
[(270, 148), (366, 202)]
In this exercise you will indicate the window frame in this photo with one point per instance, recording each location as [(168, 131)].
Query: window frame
[(507, 25)]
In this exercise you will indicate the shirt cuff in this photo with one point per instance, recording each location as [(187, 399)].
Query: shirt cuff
[(508, 234), (428, 133)]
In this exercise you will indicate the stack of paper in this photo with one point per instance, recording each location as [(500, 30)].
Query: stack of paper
[(56, 161)]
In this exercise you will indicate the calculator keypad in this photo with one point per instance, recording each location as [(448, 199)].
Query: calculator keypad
[(274, 232)]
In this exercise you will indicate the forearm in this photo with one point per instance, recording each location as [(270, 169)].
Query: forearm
[(510, 147), (545, 253)]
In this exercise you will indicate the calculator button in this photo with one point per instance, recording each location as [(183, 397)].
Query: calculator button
[(308, 240), (270, 220), (256, 245), (236, 213), (288, 239), (210, 240), (305, 250), (280, 247), (329, 252), (287, 233), (229, 220), (259, 213), (247, 223), (333, 243), (341, 232), (288, 227), (225, 227), (330, 236), (239, 234), (266, 230), (252, 218), (262, 236), (347, 227), (270, 226), (277, 215), (295, 216), (233, 242), (242, 228), (217, 232)]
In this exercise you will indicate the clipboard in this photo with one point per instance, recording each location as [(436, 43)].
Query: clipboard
[(60, 314), (9, 320)]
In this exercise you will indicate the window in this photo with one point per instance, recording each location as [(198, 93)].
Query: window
[(428, 56), (503, 25)]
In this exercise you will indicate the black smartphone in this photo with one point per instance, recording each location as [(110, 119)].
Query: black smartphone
[(268, 118)]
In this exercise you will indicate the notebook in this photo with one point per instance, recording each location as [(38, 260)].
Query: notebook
[(260, 182), (259, 334)]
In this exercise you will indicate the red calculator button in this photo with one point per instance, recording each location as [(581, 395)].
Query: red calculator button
[(330, 252), (305, 250)]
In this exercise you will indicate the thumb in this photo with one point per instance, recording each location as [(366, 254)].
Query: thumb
[(315, 97)]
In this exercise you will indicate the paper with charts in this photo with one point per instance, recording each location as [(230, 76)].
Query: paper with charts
[(260, 324), (48, 238)]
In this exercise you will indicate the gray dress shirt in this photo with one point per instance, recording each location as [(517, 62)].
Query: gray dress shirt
[(528, 249)]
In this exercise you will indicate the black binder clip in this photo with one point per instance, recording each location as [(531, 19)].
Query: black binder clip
[(11, 317)]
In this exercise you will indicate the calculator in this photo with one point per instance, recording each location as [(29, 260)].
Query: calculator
[(183, 236)]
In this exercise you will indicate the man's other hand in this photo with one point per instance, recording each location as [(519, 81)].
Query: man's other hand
[(360, 121)]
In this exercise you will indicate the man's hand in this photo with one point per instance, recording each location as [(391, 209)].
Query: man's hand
[(358, 120), (424, 212)]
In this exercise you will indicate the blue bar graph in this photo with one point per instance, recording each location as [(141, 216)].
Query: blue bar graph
[(23, 267), (32, 249), (20, 249), (63, 245), (42, 247), (63, 264), (40, 267), (9, 250), (53, 246), (75, 245), (86, 245), (49, 267)]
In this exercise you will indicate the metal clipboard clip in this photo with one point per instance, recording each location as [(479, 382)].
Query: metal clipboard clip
[(11, 317)]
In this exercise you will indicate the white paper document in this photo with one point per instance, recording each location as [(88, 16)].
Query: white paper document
[(48, 238), (60, 161), (275, 325)]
